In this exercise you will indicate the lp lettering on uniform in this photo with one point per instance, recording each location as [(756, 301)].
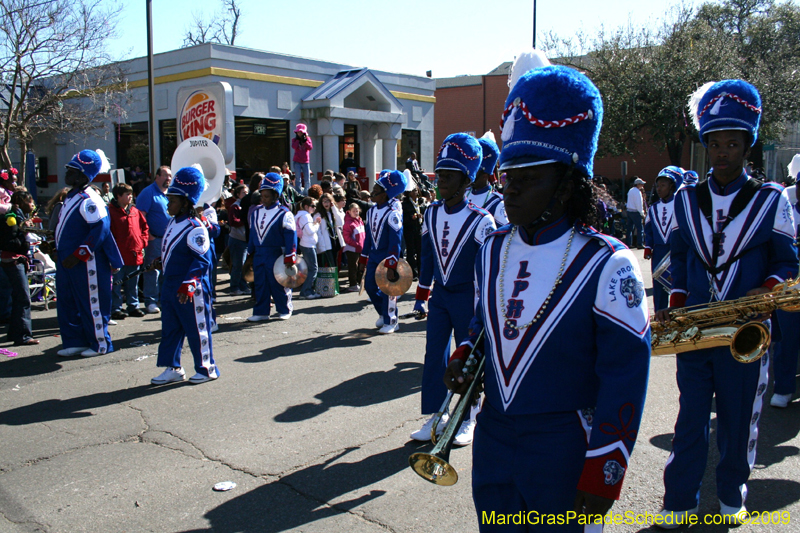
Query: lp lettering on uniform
[(515, 304), (445, 241), (720, 237)]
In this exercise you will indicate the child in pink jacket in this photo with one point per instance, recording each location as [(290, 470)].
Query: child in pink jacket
[(302, 145), (353, 232)]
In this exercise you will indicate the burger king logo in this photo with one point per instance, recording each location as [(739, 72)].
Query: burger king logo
[(199, 117)]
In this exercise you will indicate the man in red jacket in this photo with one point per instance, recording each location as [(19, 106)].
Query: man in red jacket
[(129, 228)]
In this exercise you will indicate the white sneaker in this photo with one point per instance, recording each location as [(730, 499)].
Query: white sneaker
[(379, 323), (168, 376), (214, 328), (780, 400), (69, 352), (287, 316), (202, 378), (313, 296), (674, 519), (423, 434), (733, 516), (388, 328), (354, 288), (90, 353), (153, 309), (465, 433), (258, 318), (112, 322)]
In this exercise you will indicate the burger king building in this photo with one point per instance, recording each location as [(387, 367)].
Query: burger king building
[(249, 102)]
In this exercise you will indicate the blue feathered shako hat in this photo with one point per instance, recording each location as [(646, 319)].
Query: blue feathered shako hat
[(672, 173), (552, 114), (393, 182), (490, 152), (272, 181), (690, 176), (188, 182), (90, 162), (726, 105), (460, 152)]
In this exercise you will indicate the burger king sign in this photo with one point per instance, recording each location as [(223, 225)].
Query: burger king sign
[(207, 111)]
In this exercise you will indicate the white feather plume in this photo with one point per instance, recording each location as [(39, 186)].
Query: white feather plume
[(105, 164), (794, 166), (489, 136), (694, 102), (527, 60)]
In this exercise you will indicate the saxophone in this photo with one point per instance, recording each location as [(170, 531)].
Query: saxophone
[(735, 323)]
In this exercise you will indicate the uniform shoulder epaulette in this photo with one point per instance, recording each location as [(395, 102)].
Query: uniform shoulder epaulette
[(502, 230), (774, 186), (612, 242), (195, 222), (436, 203)]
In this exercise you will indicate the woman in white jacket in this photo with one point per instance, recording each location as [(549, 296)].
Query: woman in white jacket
[(307, 231)]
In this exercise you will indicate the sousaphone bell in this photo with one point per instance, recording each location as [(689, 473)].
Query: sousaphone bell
[(207, 155), (398, 287)]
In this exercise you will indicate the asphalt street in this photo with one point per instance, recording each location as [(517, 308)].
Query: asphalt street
[(310, 418)]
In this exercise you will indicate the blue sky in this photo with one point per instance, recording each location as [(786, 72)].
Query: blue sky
[(413, 36)]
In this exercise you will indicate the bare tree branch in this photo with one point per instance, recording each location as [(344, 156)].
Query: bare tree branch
[(222, 28)]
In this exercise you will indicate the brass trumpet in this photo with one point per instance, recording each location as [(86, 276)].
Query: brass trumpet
[(434, 466), (733, 323)]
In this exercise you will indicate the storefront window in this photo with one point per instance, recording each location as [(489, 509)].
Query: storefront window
[(260, 144), (133, 147)]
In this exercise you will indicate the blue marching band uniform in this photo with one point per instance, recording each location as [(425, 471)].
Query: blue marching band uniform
[(451, 238), (272, 235), (212, 226), (487, 197), (727, 240), (186, 258), (785, 351), (384, 234), (567, 368), (658, 226), (84, 291)]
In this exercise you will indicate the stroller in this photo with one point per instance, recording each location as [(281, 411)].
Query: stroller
[(42, 271)]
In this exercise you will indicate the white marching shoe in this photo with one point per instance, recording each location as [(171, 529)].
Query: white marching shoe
[(214, 327), (780, 400), (389, 328), (733, 516), (423, 434), (379, 322), (168, 376), (258, 318), (69, 352), (90, 353), (465, 433), (287, 316), (675, 519), (202, 378)]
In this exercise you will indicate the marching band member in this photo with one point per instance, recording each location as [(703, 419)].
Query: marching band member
[(732, 237), (86, 255), (272, 235), (209, 219), (453, 232), (785, 352), (658, 226), (567, 332), (186, 293), (482, 192), (382, 243)]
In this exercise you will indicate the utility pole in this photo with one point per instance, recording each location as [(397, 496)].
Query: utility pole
[(151, 91), (534, 24)]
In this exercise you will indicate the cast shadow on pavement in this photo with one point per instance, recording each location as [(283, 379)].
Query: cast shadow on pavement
[(317, 343), (80, 407), (305, 496), (367, 389), (763, 496)]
